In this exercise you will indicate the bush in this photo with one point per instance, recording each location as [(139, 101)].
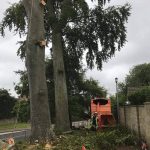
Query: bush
[(7, 103), (22, 110), (139, 97), (76, 107)]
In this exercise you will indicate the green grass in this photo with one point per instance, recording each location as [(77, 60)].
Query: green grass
[(11, 126)]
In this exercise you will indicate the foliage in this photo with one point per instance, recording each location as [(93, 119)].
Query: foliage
[(139, 75), (7, 103), (22, 88), (114, 106), (111, 139), (21, 145), (122, 92), (82, 28), (139, 79), (76, 107), (104, 140), (139, 97), (10, 20), (22, 110), (91, 88)]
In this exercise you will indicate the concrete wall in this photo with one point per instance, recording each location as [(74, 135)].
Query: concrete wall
[(137, 118)]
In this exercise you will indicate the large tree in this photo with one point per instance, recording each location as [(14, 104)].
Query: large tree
[(139, 75), (7, 102), (74, 28), (35, 63), (136, 85)]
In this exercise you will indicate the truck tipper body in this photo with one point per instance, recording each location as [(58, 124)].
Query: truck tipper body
[(102, 106)]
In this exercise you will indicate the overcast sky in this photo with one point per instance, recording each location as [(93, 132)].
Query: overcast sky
[(136, 50)]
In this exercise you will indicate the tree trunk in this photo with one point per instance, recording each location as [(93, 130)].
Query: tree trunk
[(35, 56), (61, 97)]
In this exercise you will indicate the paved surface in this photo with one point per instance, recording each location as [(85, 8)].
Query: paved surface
[(25, 133), (17, 135)]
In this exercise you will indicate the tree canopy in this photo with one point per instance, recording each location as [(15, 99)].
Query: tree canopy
[(139, 75), (136, 85), (7, 103), (83, 28)]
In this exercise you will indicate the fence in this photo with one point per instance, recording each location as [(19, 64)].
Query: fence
[(137, 118)]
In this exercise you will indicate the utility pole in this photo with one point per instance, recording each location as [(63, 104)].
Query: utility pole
[(118, 118)]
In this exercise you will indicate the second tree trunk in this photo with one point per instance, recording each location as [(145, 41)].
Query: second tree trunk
[(61, 97)]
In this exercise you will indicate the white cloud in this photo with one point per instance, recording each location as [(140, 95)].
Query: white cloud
[(9, 62)]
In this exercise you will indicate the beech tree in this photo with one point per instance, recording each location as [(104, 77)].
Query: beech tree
[(35, 63), (73, 28)]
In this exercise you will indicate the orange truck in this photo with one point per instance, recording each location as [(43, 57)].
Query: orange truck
[(102, 108)]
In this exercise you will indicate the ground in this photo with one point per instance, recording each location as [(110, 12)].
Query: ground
[(108, 139)]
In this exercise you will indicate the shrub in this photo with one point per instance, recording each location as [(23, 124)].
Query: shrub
[(22, 111)]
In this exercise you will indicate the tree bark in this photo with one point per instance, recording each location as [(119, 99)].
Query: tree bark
[(35, 63), (61, 97)]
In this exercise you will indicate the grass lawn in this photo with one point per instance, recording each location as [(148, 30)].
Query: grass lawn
[(110, 139), (10, 126)]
